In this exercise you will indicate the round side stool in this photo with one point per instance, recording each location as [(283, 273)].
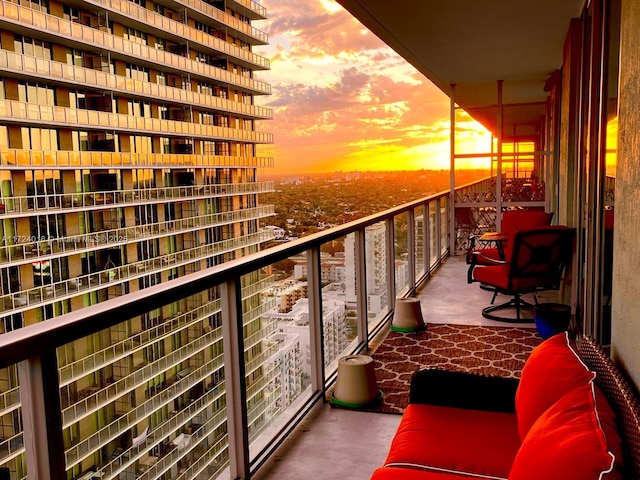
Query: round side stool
[(407, 316), (356, 385)]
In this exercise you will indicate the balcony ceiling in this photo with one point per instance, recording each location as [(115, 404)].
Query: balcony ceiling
[(474, 43)]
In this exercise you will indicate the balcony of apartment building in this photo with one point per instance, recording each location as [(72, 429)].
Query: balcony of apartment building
[(213, 405), (194, 435)]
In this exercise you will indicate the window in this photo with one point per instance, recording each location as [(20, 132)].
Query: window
[(161, 78), (137, 72), (75, 57), (136, 36), (40, 5), (165, 144), (32, 47), (205, 88), (208, 148), (141, 144), (206, 118), (222, 120), (138, 108), (204, 28), (36, 93), (80, 141), (39, 138), (71, 13)]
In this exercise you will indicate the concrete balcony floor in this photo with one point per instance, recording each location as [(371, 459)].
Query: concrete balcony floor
[(350, 445)]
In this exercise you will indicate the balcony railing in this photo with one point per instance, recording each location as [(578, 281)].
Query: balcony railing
[(73, 75), (74, 159), (24, 17), (389, 255)]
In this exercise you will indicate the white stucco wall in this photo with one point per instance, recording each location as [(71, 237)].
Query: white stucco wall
[(626, 274)]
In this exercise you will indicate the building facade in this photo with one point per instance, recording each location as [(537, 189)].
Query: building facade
[(128, 158)]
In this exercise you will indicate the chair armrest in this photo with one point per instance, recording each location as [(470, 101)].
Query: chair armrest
[(472, 245), (435, 386), (474, 262), (489, 260)]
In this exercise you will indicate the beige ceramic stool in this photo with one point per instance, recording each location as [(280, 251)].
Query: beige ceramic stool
[(407, 316), (356, 385)]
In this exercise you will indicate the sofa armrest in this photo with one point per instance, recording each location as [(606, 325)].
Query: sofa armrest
[(435, 386)]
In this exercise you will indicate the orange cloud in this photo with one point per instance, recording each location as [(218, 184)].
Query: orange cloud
[(342, 99)]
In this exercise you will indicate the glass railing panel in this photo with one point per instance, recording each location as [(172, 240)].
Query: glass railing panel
[(401, 253), (277, 348), (433, 232), (420, 225), (444, 225), (146, 397), (11, 440), (339, 301), (377, 265)]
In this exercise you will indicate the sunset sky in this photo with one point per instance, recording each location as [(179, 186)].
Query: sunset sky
[(343, 100)]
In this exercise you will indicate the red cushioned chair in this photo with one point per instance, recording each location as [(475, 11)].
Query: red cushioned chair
[(512, 221), (535, 262)]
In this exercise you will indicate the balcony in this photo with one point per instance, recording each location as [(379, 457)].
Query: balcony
[(408, 244)]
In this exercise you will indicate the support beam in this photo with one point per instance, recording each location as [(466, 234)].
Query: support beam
[(41, 416), (234, 373)]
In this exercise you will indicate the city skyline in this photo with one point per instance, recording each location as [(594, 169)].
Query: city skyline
[(348, 105)]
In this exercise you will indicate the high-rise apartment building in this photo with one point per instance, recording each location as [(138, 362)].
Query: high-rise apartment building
[(128, 158)]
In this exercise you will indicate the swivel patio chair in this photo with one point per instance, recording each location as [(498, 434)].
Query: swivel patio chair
[(536, 262), (512, 221)]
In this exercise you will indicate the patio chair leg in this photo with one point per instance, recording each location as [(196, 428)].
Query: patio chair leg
[(516, 303)]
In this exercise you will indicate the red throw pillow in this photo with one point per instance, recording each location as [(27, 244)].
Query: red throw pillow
[(553, 369), (575, 439)]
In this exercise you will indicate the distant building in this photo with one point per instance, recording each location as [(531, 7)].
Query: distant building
[(376, 267), (332, 269), (334, 326), (278, 233), (286, 371), (287, 293)]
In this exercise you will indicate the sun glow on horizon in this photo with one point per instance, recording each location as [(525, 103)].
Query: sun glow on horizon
[(343, 100)]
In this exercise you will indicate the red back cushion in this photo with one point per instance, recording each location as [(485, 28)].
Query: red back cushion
[(553, 369), (575, 439), (514, 220)]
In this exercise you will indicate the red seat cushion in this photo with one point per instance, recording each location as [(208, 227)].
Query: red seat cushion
[(553, 369), (575, 439), (497, 275), (471, 441), (408, 473)]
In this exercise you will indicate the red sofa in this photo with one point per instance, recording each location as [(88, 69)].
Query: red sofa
[(572, 416)]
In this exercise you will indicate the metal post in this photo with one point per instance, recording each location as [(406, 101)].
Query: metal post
[(499, 158), (41, 417), (315, 319), (234, 372), (438, 242), (452, 173)]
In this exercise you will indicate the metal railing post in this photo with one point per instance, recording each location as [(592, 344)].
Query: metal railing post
[(438, 242), (42, 417), (314, 279), (234, 372), (452, 173)]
